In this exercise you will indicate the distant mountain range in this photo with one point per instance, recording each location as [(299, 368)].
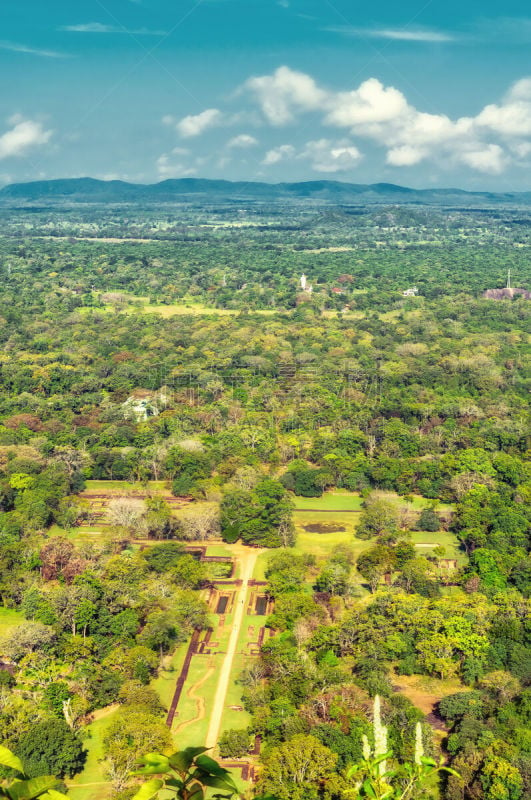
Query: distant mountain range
[(90, 190)]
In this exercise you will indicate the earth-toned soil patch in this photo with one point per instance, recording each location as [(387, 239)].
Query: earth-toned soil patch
[(323, 527)]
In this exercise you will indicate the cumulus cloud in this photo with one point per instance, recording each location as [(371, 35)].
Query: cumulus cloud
[(382, 114), (370, 103), (23, 136), (513, 116), (278, 154), (490, 158), (195, 124), (497, 136), (243, 140), (324, 155), (328, 156), (284, 93)]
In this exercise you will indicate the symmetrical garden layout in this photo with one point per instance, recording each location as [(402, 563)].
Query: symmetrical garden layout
[(199, 684), (207, 696)]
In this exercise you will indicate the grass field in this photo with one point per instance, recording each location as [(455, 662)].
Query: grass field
[(164, 683), (322, 545), (90, 784), (126, 488), (183, 309), (444, 539), (9, 619), (335, 508), (341, 500), (173, 310), (330, 501)]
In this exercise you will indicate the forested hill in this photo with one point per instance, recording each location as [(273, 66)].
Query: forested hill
[(92, 190)]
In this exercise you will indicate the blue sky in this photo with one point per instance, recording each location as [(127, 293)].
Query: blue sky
[(416, 93)]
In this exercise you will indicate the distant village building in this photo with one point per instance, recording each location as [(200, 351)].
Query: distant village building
[(413, 292)]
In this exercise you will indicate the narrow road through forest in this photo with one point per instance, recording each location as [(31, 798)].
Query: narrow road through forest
[(247, 560)]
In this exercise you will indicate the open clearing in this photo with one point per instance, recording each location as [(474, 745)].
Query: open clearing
[(9, 619), (426, 693), (126, 488), (88, 785), (330, 501), (173, 310)]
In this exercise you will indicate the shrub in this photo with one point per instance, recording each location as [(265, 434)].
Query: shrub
[(234, 743)]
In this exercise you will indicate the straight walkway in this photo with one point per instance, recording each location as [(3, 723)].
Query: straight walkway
[(247, 560)]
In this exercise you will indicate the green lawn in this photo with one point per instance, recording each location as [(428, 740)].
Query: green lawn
[(204, 669), (90, 784), (341, 500), (9, 619), (221, 549), (164, 683), (231, 718), (260, 566), (330, 501), (444, 539), (419, 502), (322, 545)]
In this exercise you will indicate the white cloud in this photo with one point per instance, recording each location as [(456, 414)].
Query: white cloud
[(98, 27), (521, 90), (396, 34), (328, 156), (284, 93), (491, 158), (243, 140), (497, 136), (486, 142), (405, 156), (278, 154), (195, 124), (513, 116), (14, 47), (179, 163), (23, 136), (324, 155), (371, 102)]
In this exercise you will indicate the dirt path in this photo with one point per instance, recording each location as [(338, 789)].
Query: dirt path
[(199, 701), (426, 693), (247, 560), (101, 713)]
